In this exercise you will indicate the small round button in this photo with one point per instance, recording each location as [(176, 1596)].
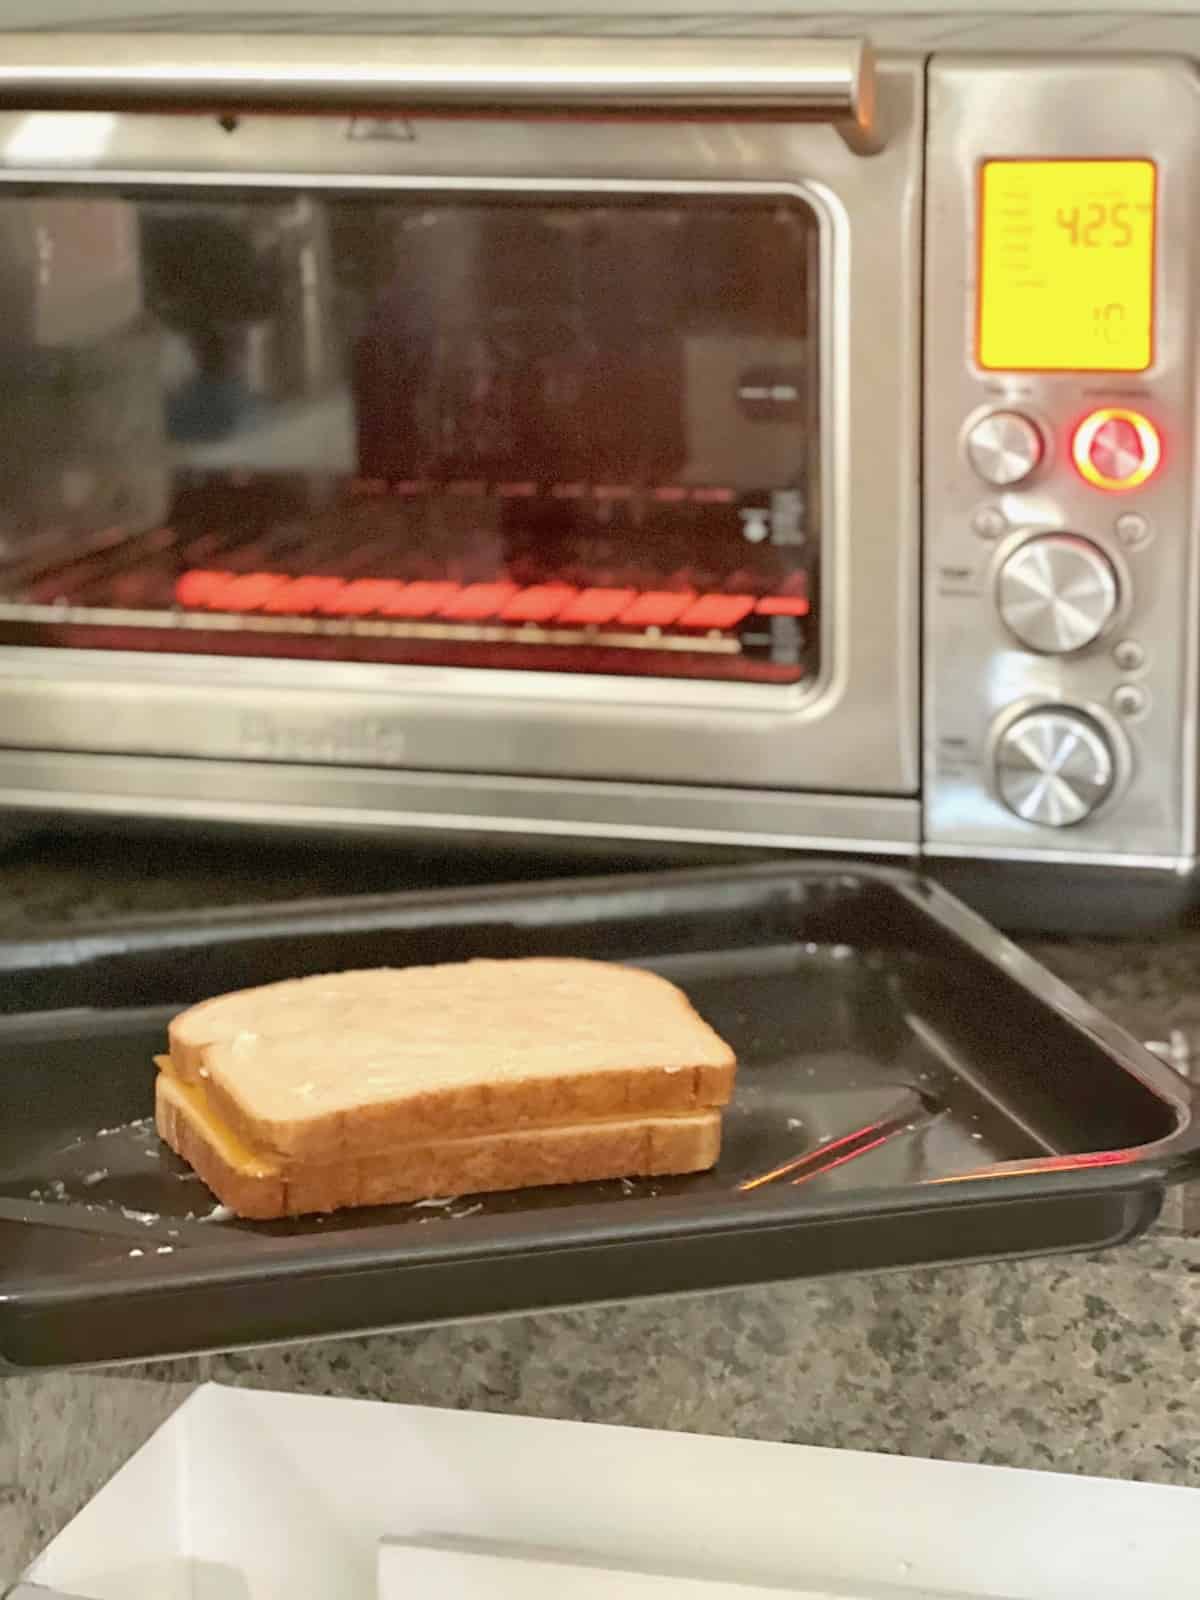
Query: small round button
[(1129, 656), (1133, 529), (989, 522), (1003, 448), (1116, 449), (1129, 700)]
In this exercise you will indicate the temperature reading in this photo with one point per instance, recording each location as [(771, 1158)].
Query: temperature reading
[(1066, 266), (1097, 225), (1110, 322)]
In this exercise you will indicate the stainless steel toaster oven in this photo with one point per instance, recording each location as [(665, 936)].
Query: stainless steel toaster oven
[(722, 439)]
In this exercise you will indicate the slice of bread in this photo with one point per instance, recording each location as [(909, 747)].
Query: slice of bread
[(320, 1071), (255, 1188)]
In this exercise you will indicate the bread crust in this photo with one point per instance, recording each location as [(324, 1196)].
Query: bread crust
[(623, 1044), (423, 1169)]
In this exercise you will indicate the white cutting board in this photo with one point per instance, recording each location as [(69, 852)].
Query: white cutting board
[(247, 1495), (477, 1570)]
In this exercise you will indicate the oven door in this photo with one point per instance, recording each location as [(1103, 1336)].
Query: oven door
[(534, 420)]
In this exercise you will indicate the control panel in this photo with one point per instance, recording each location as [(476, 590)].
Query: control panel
[(1060, 612)]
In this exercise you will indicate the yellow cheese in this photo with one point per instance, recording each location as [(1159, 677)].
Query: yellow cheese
[(231, 1149)]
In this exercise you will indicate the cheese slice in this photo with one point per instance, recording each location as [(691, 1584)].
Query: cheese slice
[(224, 1141)]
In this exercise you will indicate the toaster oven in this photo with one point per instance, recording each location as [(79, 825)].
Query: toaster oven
[(714, 440)]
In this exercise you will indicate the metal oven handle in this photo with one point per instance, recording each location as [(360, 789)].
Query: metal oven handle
[(814, 80)]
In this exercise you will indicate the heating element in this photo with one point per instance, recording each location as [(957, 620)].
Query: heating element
[(575, 576)]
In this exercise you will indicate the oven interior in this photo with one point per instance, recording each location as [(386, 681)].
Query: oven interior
[(497, 429)]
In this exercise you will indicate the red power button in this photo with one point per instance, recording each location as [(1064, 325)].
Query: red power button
[(1116, 449)]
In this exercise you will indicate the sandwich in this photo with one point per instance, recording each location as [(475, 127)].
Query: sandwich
[(399, 1084)]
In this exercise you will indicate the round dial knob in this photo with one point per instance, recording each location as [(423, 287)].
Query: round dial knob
[(1053, 767), (1004, 447), (1057, 593)]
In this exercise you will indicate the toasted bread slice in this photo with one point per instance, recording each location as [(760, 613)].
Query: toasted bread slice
[(317, 1071), (255, 1188)]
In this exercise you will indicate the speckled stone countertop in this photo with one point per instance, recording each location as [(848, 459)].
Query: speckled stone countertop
[(1082, 1364)]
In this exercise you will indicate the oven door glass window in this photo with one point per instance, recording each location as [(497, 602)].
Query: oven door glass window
[(575, 436)]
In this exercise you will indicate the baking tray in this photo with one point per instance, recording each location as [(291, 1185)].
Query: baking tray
[(1038, 1126)]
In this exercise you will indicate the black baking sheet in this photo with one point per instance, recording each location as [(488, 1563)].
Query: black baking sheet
[(844, 994)]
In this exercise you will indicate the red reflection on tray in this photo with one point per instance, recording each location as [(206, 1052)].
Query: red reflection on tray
[(783, 605)]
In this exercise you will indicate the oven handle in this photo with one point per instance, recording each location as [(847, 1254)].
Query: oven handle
[(794, 80)]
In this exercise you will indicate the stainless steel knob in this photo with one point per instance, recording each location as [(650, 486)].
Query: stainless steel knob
[(1004, 447), (1057, 592), (1053, 767)]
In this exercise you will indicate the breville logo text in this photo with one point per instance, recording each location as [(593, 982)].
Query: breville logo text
[(346, 741)]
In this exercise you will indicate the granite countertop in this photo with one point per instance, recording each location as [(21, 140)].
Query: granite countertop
[(1083, 1364)]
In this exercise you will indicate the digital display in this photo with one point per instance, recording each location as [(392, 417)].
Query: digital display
[(1066, 266)]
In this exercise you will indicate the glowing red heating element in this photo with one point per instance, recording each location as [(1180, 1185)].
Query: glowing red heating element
[(655, 608), (594, 607), (276, 594), (301, 597), (721, 611), (419, 600), (476, 602), (538, 603), (363, 597)]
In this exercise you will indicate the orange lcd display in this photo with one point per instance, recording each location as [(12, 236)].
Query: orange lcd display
[(1066, 266)]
